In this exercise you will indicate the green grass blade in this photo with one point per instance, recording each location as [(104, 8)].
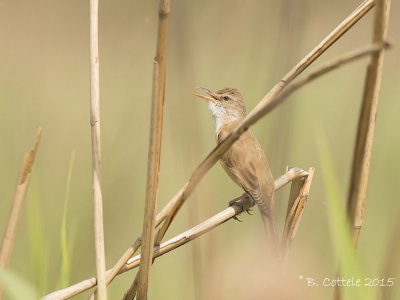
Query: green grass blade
[(38, 245), (339, 226), (65, 268)]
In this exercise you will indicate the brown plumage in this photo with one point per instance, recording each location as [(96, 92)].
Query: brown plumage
[(245, 161)]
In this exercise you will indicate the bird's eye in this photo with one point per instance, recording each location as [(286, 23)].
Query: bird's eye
[(226, 98)]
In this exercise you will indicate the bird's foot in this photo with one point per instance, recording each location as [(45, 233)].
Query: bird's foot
[(244, 202)]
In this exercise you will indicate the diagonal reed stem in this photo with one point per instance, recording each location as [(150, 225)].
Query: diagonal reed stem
[(242, 204)]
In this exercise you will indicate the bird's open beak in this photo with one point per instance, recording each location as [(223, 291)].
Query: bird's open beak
[(212, 97)]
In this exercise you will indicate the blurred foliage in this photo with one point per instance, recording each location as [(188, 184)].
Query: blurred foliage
[(44, 81), (16, 287)]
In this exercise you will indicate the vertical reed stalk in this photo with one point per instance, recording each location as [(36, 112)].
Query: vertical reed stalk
[(366, 125), (366, 128), (96, 150), (153, 166)]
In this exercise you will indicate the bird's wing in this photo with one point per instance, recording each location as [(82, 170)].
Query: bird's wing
[(245, 175)]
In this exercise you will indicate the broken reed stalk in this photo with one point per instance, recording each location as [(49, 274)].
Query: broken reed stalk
[(254, 115), (153, 166), (10, 232), (366, 124), (300, 189), (208, 162), (96, 150), (84, 285)]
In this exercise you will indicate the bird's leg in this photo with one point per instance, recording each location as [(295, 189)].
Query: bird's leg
[(245, 202)]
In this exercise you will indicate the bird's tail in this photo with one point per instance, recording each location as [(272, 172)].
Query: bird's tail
[(272, 235)]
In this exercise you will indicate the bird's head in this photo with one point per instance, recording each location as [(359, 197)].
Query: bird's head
[(226, 105)]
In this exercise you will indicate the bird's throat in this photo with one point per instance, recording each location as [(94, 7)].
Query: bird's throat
[(223, 118)]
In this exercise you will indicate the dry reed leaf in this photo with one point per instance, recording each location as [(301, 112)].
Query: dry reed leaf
[(10, 232)]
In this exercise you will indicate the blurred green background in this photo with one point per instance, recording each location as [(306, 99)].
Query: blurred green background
[(44, 81)]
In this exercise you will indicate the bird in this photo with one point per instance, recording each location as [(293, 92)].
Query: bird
[(245, 161)]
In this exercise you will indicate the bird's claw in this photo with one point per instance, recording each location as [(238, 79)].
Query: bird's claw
[(236, 218), (233, 203), (242, 204)]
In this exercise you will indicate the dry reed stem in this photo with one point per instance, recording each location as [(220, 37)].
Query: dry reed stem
[(84, 285), (186, 190), (254, 115), (366, 125), (154, 152), (299, 192), (96, 151), (10, 232)]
